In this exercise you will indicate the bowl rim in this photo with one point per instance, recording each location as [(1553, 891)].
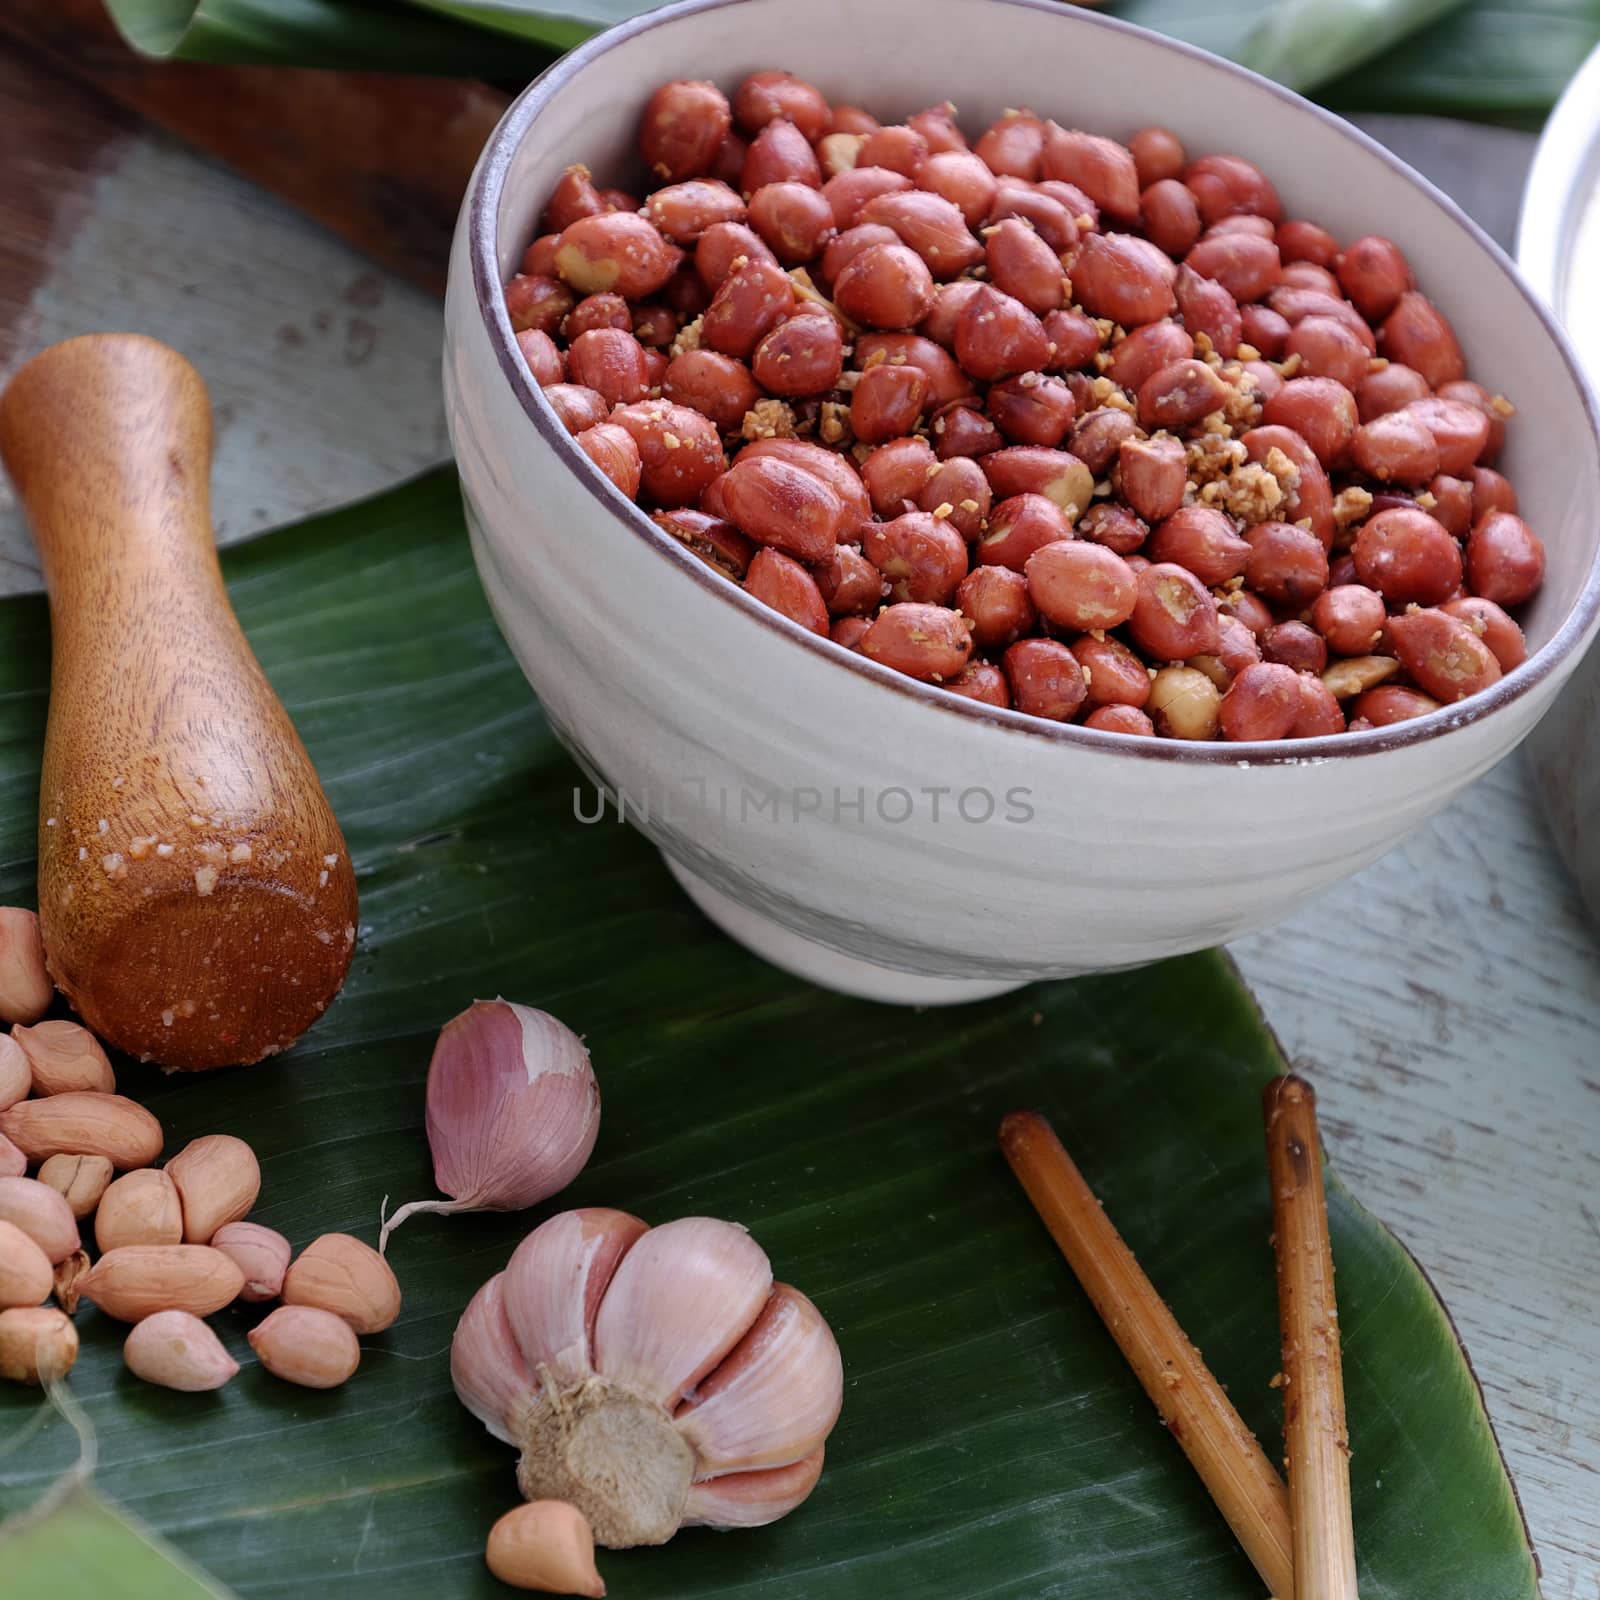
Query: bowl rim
[(481, 221)]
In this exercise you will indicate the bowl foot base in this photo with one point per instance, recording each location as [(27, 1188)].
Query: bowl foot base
[(819, 964)]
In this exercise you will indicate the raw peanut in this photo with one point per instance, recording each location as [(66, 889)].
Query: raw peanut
[(1012, 146), (537, 304), (1226, 186), (1286, 565), (1443, 654), (139, 1208), (68, 1282), (1046, 679), (1416, 333), (748, 304), (895, 473), (307, 1346), (764, 96), (1306, 241), (544, 359), (1170, 216), (339, 1273), (1203, 540), (1153, 474), (1073, 337), (1491, 492), (849, 584), (789, 507), (1321, 410), (1058, 475), (995, 602), (684, 124), (887, 402), (898, 147), (793, 218), (930, 225), (1319, 714), (938, 127), (41, 1213), (1505, 563), (1492, 625), (620, 251), (1102, 168), (138, 1280), (218, 1178), (961, 432), (1378, 708), (1308, 275), (1032, 409), (25, 987), (886, 286), (1356, 674), (261, 1254), (1097, 436), (922, 641), (1081, 586), (79, 1180), (1183, 704), (1244, 264), (719, 253), (1390, 388), (1374, 273), (597, 311), (779, 153), (1145, 351), (1018, 526), (16, 1076), (79, 1123), (1115, 675), (683, 211), (1180, 394), (25, 1274), (1397, 447), (1452, 504), (1327, 348), (1475, 395), (545, 1545), (37, 1344), (961, 177), (979, 680), (850, 631), (613, 451), (959, 484), (539, 259), (680, 451), (1207, 308), (574, 196), (852, 119), (1125, 278), (778, 581), (1350, 617), (832, 468), (920, 556), (848, 245), (611, 362), (946, 380), (1023, 266), (1157, 153), (1407, 557), (1120, 719), (848, 192), (1174, 616), (1246, 608), (577, 408), (655, 325), (176, 1350), (1262, 703), (712, 540)]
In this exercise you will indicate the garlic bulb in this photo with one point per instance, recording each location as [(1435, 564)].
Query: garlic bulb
[(513, 1111), (653, 1377)]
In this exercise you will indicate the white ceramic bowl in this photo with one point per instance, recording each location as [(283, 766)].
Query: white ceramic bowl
[(872, 833)]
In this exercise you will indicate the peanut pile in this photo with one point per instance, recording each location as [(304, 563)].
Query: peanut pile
[(173, 1244), (1060, 424)]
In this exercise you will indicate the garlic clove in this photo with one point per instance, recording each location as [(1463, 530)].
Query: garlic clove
[(775, 1398), (25, 987), (752, 1499), (491, 1379), (65, 1058), (682, 1298), (545, 1545), (513, 1110), (16, 1076), (554, 1284)]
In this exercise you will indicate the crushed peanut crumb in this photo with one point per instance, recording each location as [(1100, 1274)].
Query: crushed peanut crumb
[(688, 337), (205, 880), (1351, 506), (768, 419)]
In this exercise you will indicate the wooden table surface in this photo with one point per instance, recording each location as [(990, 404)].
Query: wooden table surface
[(1446, 1001)]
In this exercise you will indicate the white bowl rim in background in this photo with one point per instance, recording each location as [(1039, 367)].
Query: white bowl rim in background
[(482, 222)]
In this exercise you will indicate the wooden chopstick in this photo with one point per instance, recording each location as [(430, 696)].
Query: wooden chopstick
[(1315, 1436), (1231, 1464)]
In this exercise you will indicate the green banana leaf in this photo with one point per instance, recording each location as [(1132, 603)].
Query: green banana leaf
[(1463, 57), (993, 1443)]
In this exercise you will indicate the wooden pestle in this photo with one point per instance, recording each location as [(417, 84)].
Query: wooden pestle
[(196, 899)]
